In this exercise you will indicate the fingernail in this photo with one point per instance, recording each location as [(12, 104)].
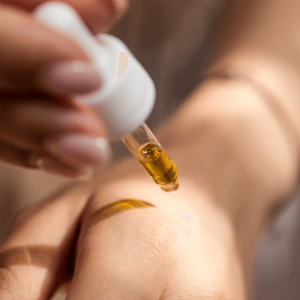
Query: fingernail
[(50, 165), (70, 77), (80, 150)]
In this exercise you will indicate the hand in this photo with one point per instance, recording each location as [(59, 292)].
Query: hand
[(40, 127), (181, 246), (236, 168), (98, 14)]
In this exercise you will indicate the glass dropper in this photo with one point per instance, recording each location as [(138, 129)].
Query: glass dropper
[(147, 150)]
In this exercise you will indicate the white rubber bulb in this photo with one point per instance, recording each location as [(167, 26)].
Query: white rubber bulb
[(127, 94)]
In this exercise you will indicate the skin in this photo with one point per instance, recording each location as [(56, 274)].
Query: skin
[(195, 243), (238, 158), (150, 252)]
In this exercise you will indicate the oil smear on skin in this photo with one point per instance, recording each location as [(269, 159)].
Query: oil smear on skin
[(117, 208), (159, 166)]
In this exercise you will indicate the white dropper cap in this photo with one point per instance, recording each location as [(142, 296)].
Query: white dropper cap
[(127, 95)]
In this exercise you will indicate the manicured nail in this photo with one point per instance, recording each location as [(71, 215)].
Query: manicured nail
[(80, 150), (50, 165), (70, 77)]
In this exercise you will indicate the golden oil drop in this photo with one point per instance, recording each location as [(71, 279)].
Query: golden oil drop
[(159, 166), (147, 150)]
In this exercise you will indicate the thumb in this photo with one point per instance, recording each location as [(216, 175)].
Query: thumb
[(33, 57), (34, 256)]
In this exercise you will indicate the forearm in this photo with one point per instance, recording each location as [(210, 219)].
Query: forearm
[(260, 39), (227, 143), (235, 162), (245, 133)]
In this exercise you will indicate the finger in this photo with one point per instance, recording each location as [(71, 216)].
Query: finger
[(68, 132), (20, 158), (123, 253), (14, 156), (34, 256), (98, 14), (35, 57), (44, 162)]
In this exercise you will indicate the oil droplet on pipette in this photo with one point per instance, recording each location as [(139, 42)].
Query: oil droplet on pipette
[(159, 166)]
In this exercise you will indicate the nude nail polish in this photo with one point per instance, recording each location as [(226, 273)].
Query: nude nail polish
[(80, 150), (69, 77)]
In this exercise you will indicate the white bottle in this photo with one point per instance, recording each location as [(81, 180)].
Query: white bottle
[(127, 95)]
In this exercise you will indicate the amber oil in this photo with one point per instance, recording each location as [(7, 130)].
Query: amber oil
[(159, 166)]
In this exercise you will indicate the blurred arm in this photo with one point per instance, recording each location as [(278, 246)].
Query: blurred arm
[(234, 141), (261, 38)]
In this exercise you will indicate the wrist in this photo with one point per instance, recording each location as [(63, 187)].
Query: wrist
[(226, 140), (275, 74)]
